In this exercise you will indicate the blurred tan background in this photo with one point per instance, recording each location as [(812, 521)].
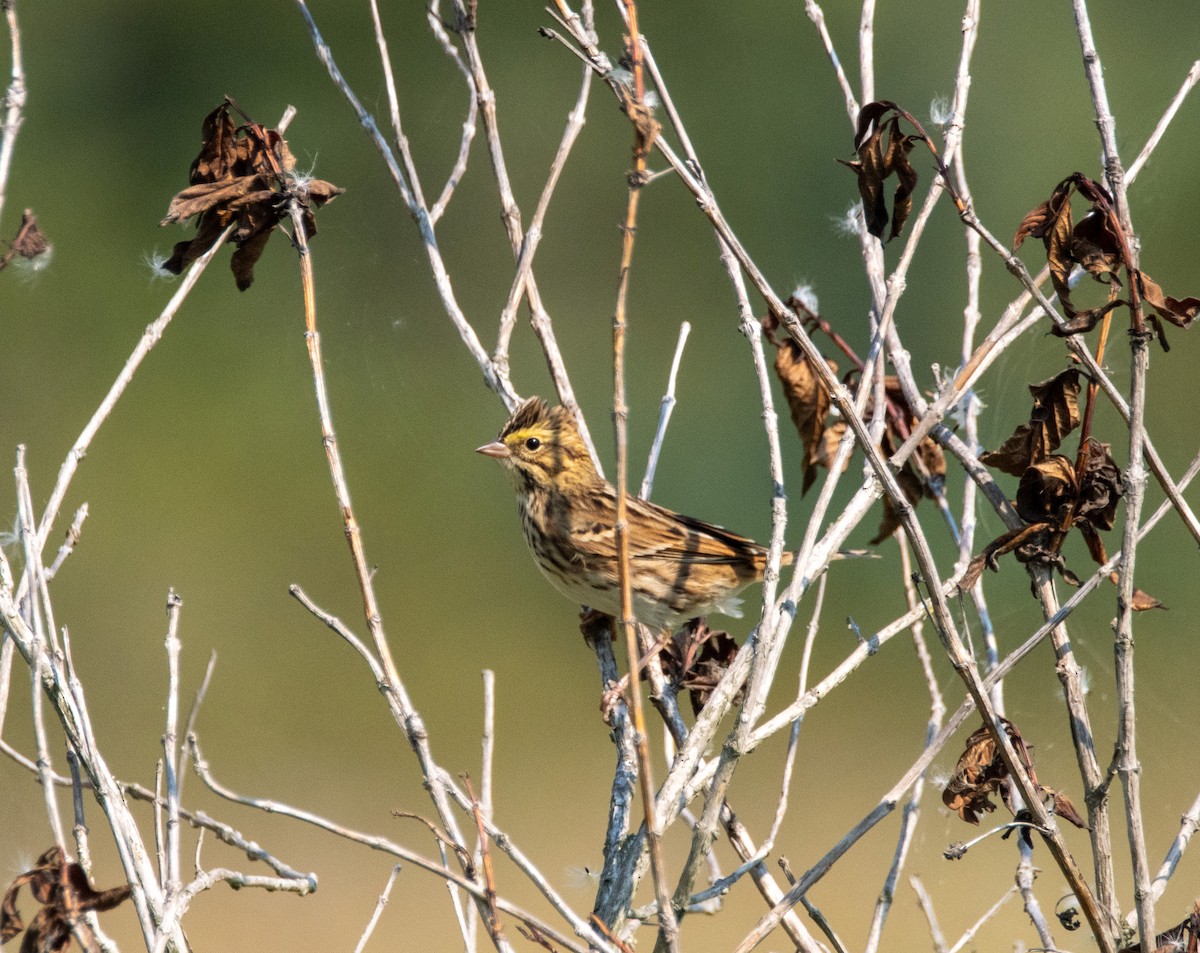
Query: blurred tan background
[(209, 476)]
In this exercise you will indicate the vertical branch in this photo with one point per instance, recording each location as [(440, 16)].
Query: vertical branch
[(1128, 767), (14, 100), (39, 647), (937, 715), (170, 742), (644, 130), (866, 51)]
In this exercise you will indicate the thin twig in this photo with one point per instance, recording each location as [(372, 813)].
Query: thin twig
[(937, 714), (581, 927), (150, 337), (664, 413), (1033, 908), (420, 215), (1128, 766), (469, 124), (969, 934), (1164, 121), (1187, 827), (379, 905), (403, 711), (170, 743), (14, 100), (519, 240), (925, 902), (668, 935)]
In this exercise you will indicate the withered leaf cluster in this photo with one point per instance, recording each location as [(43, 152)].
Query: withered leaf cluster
[(245, 175), (1055, 414), (696, 658), (1182, 938), (1099, 245), (29, 242), (981, 772), (878, 160), (1056, 493), (820, 432), (62, 888)]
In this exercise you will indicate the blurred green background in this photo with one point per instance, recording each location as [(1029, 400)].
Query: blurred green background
[(209, 477)]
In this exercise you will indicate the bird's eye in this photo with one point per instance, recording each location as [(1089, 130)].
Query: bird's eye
[(532, 443)]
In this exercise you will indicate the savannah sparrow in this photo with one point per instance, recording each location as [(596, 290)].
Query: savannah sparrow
[(679, 567)]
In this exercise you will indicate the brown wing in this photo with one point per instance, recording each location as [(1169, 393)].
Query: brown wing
[(675, 536), (659, 533)]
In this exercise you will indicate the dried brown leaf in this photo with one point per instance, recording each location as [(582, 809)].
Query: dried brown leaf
[(207, 195), (1055, 414), (899, 146), (65, 895), (913, 488), (827, 448), (29, 241), (219, 149), (1096, 247), (981, 772), (246, 256), (1095, 244), (1000, 546), (1101, 487), (1057, 239), (875, 163), (808, 400), (1080, 322), (243, 174), (1143, 602), (1047, 490), (1179, 311), (697, 657)]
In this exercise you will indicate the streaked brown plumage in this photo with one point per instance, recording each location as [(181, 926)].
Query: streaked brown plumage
[(679, 567)]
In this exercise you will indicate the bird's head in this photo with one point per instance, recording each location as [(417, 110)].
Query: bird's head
[(540, 446)]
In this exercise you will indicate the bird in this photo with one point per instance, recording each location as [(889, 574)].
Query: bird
[(679, 567)]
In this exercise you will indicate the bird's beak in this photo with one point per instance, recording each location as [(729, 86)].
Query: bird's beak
[(495, 449)]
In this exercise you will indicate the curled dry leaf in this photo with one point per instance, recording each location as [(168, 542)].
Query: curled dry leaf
[(62, 889), (1099, 246), (1052, 498), (877, 161), (1003, 544), (810, 403), (1179, 311), (1055, 414), (697, 657), (1101, 487), (981, 772), (244, 175), (1047, 491), (808, 399)]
